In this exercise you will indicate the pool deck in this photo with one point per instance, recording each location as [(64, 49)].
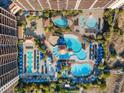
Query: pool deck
[(50, 47), (26, 50), (51, 40)]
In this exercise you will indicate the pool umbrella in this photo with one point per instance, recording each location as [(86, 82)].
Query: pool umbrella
[(91, 45)]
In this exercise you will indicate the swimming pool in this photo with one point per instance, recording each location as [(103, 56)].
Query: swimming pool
[(73, 43), (91, 22), (81, 69), (29, 61), (81, 55), (61, 22)]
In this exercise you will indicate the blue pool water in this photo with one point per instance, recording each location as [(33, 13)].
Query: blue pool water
[(64, 56), (29, 61), (73, 43), (61, 22), (91, 22), (41, 55), (81, 55), (81, 69), (81, 21)]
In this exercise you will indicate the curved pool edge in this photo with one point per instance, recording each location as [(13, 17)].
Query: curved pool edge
[(79, 52), (61, 22), (79, 71), (81, 56)]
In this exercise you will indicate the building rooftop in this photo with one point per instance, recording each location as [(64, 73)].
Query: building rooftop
[(38, 5)]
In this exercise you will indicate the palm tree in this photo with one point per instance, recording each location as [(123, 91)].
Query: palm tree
[(113, 23)]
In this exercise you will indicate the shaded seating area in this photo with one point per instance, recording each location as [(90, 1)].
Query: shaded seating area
[(84, 80), (36, 77), (20, 60), (59, 66), (100, 55), (96, 52), (37, 61), (35, 81), (93, 51), (61, 41), (41, 55)]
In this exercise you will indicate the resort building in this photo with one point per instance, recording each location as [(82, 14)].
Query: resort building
[(8, 52), (38, 5)]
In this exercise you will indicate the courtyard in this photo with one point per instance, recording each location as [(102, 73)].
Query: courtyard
[(62, 47)]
